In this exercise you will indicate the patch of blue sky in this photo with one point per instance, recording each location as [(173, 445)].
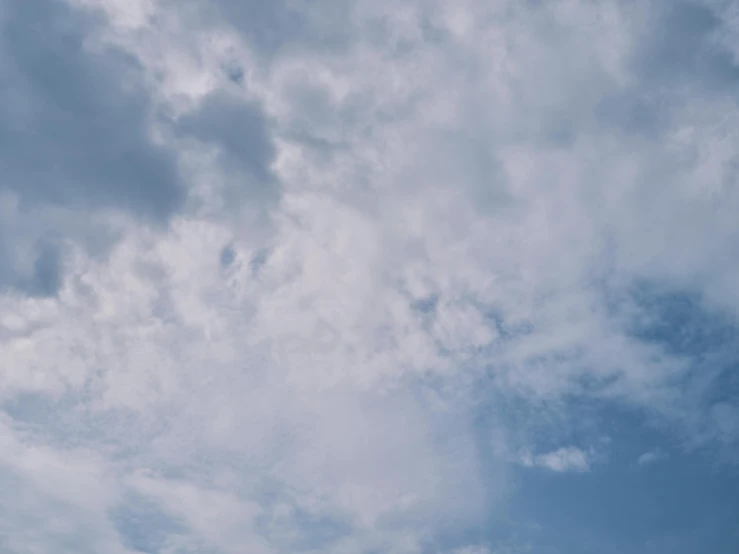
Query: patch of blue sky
[(681, 503)]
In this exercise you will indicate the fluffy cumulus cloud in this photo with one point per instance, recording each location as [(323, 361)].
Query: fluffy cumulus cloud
[(309, 276)]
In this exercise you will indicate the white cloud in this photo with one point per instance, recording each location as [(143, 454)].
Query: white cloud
[(472, 550), (564, 459), (651, 456), (453, 214)]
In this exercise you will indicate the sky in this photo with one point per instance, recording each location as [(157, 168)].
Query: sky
[(369, 277)]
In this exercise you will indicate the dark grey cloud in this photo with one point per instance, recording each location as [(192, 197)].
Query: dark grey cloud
[(239, 129), (242, 137), (73, 123), (32, 258), (678, 54), (267, 25), (271, 27), (73, 136), (46, 269), (682, 47)]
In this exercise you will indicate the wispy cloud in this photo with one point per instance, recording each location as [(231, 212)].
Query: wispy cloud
[(564, 459), (651, 456)]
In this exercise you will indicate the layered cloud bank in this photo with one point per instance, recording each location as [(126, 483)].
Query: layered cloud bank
[(322, 276)]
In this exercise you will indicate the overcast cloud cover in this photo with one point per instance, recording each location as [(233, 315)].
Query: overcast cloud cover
[(369, 276)]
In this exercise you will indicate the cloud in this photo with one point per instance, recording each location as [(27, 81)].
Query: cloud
[(240, 128), (564, 459), (73, 137), (74, 134), (651, 457), (472, 550), (78, 136), (281, 25), (300, 277)]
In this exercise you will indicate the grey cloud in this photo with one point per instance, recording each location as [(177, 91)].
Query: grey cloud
[(266, 24), (258, 260), (679, 50), (239, 129), (227, 256), (272, 27), (73, 136), (632, 114), (73, 129), (47, 269), (681, 46), (31, 261), (143, 527), (44, 275)]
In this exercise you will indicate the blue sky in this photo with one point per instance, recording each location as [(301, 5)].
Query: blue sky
[(369, 276)]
